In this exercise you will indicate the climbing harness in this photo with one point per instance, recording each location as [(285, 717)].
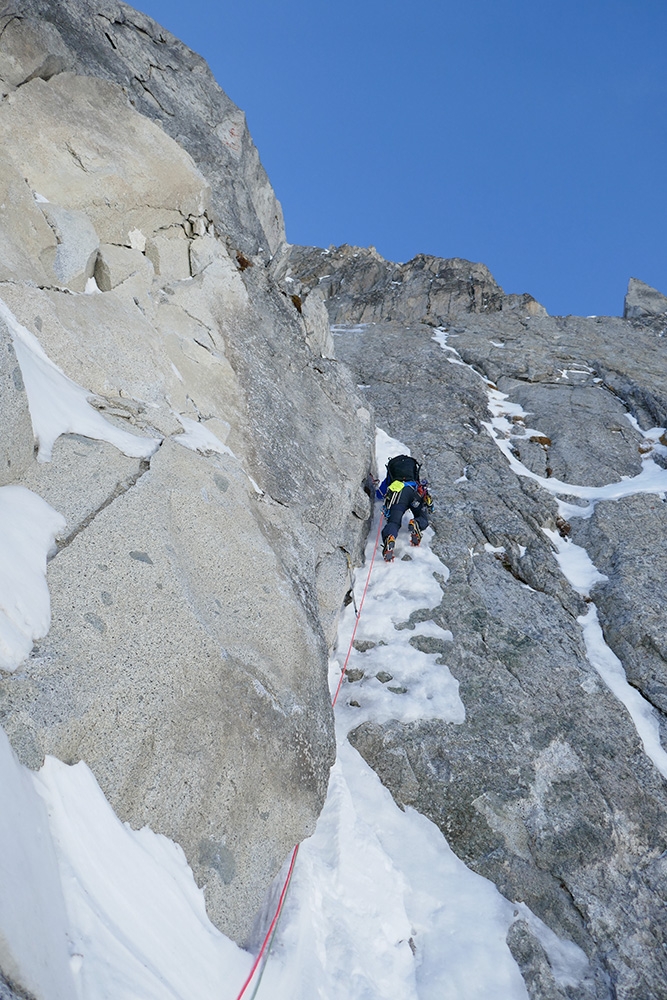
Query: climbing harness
[(268, 939)]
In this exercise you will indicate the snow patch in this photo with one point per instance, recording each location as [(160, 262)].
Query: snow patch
[(28, 529), (34, 945), (613, 674), (137, 919), (575, 563), (60, 406), (381, 908), (346, 327), (197, 437)]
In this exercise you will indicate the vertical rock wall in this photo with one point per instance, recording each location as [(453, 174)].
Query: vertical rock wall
[(194, 591)]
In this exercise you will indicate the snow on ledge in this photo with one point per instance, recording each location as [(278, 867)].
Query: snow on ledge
[(197, 437), (60, 406), (612, 672)]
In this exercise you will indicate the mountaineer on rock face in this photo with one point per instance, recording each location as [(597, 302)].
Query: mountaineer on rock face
[(402, 490)]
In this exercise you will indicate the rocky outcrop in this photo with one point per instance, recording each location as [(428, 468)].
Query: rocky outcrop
[(195, 589), (166, 82), (196, 585), (545, 788), (642, 301), (359, 286)]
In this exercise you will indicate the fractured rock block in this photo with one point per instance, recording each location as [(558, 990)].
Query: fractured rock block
[(169, 253), (75, 137), (203, 252), (116, 264), (24, 232), (30, 48), (72, 260), (316, 318)]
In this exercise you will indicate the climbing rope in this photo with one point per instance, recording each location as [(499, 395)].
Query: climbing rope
[(358, 616), (274, 924), (268, 940)]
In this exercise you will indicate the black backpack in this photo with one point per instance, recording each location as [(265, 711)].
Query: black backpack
[(403, 468)]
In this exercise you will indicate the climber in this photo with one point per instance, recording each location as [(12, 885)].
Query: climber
[(402, 490)]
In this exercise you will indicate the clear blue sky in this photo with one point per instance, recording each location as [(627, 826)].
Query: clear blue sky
[(530, 135)]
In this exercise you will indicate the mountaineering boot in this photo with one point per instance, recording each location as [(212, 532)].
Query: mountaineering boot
[(415, 533), (388, 548)]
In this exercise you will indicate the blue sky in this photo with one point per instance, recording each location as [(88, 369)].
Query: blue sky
[(530, 135)]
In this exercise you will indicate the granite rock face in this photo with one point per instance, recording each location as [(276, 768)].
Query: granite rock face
[(194, 592), (642, 301), (169, 626), (359, 286), (545, 788), (16, 443), (627, 541), (166, 82)]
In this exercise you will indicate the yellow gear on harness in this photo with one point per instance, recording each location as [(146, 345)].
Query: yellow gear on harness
[(396, 486)]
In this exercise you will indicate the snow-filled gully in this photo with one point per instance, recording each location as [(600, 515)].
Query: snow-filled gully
[(573, 560), (379, 906)]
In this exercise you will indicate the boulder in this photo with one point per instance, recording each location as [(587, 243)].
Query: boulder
[(72, 261), (115, 264), (169, 253)]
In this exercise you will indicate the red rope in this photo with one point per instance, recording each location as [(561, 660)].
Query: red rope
[(296, 849), (273, 924)]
